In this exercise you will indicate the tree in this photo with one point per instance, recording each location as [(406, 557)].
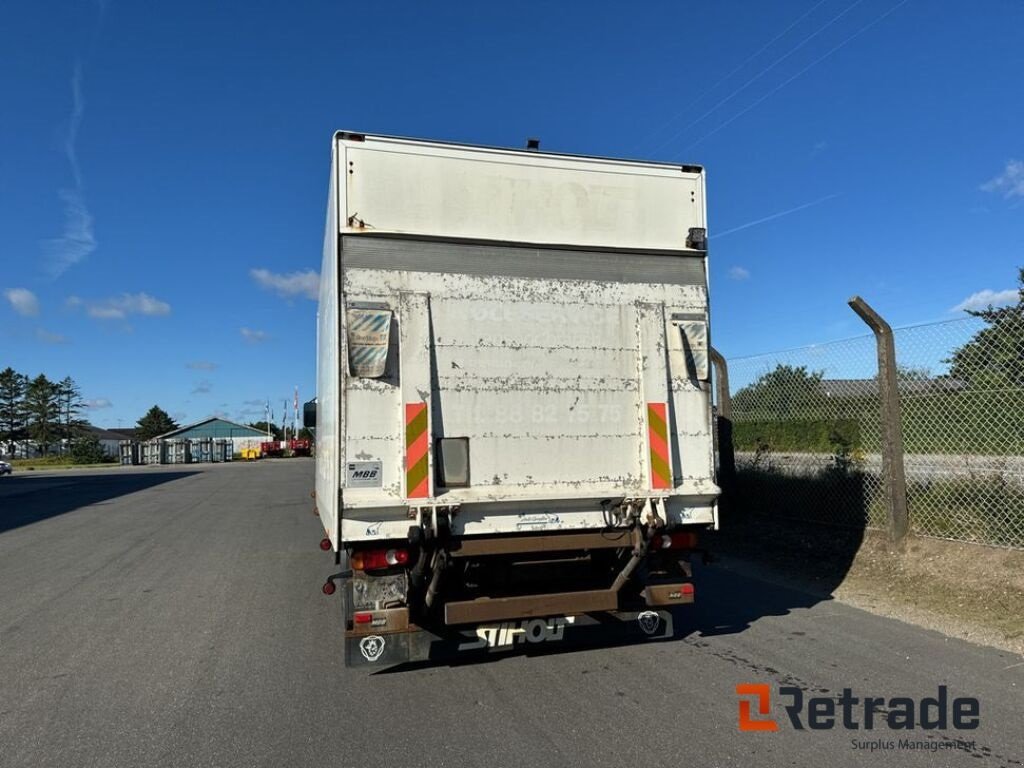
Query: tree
[(12, 407), (156, 422), (43, 412), (88, 450), (784, 391), (994, 358), (275, 430), (69, 403)]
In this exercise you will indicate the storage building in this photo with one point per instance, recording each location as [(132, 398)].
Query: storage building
[(217, 428)]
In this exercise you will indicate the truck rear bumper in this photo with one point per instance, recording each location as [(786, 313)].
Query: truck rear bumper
[(530, 635)]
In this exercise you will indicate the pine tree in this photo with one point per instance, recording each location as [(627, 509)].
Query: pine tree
[(156, 422), (42, 408), (70, 404), (12, 408)]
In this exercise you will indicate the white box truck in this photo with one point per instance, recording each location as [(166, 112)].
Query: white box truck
[(513, 420)]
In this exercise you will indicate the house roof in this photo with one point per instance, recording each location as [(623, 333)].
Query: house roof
[(103, 434)]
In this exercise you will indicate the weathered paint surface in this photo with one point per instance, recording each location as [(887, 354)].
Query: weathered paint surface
[(558, 369), (551, 381)]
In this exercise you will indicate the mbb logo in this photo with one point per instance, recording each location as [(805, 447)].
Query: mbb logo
[(762, 693)]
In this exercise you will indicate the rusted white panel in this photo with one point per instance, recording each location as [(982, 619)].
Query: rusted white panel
[(549, 381), (545, 359), (443, 190)]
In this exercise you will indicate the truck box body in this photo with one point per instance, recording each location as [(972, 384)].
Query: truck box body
[(517, 338)]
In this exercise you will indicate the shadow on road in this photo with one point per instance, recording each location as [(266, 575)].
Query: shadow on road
[(727, 603), (25, 500), (758, 537)]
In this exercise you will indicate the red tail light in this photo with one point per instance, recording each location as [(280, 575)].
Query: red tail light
[(683, 540), (372, 559), (363, 617), (329, 587), (325, 544), (686, 589)]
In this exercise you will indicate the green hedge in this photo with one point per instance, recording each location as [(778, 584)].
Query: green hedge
[(802, 435), (986, 422)]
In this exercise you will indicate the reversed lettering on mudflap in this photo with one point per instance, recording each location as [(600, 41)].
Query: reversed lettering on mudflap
[(508, 634)]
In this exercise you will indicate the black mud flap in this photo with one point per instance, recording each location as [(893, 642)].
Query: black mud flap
[(507, 637)]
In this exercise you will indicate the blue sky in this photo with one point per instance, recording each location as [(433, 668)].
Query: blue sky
[(163, 168)]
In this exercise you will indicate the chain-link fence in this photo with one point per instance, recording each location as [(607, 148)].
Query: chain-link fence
[(807, 430)]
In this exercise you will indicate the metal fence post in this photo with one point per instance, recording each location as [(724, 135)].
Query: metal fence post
[(726, 455), (895, 478)]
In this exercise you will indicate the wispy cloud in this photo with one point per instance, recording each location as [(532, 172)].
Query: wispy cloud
[(203, 387), (201, 365), (986, 298), (75, 123), (23, 301), (739, 273), (253, 336), (97, 404), (818, 148), (119, 307), (77, 239), (47, 337), (774, 216), (291, 285), (1010, 182)]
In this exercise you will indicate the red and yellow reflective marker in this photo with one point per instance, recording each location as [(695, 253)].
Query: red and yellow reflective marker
[(417, 441), (657, 437)]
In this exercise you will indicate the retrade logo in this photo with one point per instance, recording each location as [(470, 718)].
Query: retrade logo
[(822, 713), (762, 694)]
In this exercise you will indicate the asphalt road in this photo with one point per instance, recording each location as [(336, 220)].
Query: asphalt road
[(173, 617)]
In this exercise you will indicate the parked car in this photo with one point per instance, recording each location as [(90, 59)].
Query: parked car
[(5, 468)]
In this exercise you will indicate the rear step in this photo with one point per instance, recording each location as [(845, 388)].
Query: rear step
[(531, 606)]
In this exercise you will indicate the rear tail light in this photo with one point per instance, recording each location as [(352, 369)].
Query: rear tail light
[(372, 559), (363, 617), (679, 540)]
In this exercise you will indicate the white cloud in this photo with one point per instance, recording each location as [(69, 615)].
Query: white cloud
[(202, 388), (201, 365), (253, 336), (97, 404), (1010, 182), (984, 299), (23, 301), (819, 147), (739, 273), (50, 338), (294, 284), (119, 307), (77, 240)]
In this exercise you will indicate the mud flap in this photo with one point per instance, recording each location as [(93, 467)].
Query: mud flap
[(507, 637)]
